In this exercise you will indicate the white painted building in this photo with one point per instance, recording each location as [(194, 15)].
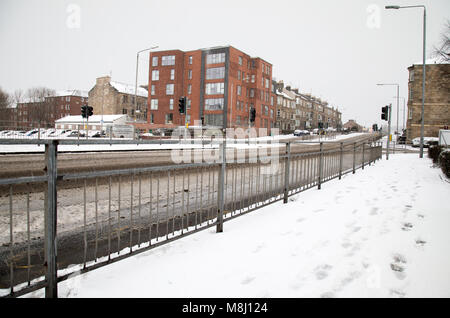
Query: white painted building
[(94, 122)]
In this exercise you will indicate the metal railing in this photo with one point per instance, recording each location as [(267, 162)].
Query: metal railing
[(105, 216)]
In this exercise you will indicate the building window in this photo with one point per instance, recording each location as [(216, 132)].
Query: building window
[(267, 83), (124, 99), (189, 74), (155, 75), (410, 113), (240, 60), (155, 61), (214, 120), (169, 118), (152, 118), (68, 99), (171, 104), (189, 88), (154, 104), (215, 58), (213, 103), (190, 59), (188, 103), (252, 93), (214, 88), (239, 75), (215, 73), (168, 60), (124, 111), (411, 76), (172, 74), (153, 90), (238, 90), (169, 89), (253, 78)]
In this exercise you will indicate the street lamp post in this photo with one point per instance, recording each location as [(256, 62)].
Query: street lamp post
[(423, 69), (137, 63), (403, 119)]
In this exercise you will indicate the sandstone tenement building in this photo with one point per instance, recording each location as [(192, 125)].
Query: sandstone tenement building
[(109, 97), (437, 99)]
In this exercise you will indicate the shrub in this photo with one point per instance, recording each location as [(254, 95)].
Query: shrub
[(444, 159), (434, 152)]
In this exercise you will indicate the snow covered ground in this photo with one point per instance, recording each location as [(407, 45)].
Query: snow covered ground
[(382, 232)]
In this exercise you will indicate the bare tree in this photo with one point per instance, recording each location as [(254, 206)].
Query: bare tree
[(442, 51), (5, 110), (42, 104)]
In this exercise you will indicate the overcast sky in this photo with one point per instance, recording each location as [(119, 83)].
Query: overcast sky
[(337, 50)]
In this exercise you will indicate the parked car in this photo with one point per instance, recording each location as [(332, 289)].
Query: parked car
[(75, 133), (427, 141), (31, 132), (300, 132)]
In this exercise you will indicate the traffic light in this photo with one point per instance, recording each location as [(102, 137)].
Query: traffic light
[(84, 111), (385, 113), (90, 111), (182, 105), (252, 115), (375, 127)]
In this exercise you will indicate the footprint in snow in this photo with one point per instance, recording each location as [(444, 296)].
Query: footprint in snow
[(321, 271), (397, 293), (407, 226), (398, 266), (420, 242), (247, 280)]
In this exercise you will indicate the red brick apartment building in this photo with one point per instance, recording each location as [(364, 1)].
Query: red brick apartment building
[(42, 112), (221, 85)]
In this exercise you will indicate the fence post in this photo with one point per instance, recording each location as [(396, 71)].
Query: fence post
[(340, 160), (286, 172), (221, 186), (51, 288), (320, 166), (363, 156), (354, 156)]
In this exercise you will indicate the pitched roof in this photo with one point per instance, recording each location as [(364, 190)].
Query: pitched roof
[(129, 89), (92, 119), (71, 92)]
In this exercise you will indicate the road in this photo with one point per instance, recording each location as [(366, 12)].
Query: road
[(13, 165)]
